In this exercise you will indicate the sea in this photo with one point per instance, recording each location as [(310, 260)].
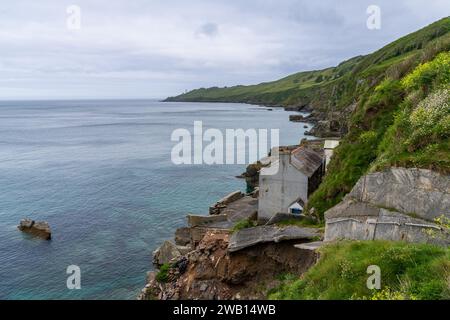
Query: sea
[(100, 172)]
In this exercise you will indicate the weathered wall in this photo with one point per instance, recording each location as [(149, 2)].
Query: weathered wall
[(398, 204), (277, 192)]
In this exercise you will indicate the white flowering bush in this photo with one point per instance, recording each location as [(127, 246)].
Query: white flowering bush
[(430, 121)]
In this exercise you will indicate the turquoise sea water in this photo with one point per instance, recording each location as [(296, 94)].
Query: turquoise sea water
[(100, 173)]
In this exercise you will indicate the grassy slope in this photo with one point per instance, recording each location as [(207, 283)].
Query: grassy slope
[(398, 120), (408, 271), (379, 126), (402, 118), (334, 87), (292, 90)]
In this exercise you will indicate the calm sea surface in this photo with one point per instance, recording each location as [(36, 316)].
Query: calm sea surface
[(100, 173)]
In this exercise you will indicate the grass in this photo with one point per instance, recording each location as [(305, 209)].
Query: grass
[(243, 224), (385, 129), (301, 223), (408, 271)]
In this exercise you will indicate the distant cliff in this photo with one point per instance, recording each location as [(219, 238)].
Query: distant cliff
[(375, 102)]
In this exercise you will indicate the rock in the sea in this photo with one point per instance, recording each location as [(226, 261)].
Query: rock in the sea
[(40, 229), (296, 118)]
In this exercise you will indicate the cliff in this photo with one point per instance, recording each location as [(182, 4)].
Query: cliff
[(333, 94), (387, 180)]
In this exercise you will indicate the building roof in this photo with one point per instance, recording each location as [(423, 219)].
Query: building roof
[(331, 144), (307, 160)]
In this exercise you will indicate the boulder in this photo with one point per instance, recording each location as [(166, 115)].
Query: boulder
[(296, 118), (166, 253), (40, 228)]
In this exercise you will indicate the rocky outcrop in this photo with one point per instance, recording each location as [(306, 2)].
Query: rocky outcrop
[(169, 252), (40, 228), (398, 204), (296, 118)]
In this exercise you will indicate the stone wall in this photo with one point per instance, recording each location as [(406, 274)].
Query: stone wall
[(398, 204)]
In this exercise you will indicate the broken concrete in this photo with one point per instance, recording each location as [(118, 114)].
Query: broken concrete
[(222, 203), (198, 221), (252, 236), (310, 246)]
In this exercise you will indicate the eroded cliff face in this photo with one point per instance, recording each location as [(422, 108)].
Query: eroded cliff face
[(398, 204), (212, 272)]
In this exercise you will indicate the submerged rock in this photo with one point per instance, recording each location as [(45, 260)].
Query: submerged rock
[(40, 229)]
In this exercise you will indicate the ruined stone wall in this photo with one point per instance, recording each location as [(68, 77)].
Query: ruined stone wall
[(398, 204)]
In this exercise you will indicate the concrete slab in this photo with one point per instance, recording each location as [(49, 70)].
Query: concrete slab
[(241, 209), (311, 246), (252, 236)]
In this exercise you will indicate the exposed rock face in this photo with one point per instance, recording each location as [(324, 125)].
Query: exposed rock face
[(168, 253), (40, 228), (211, 272), (398, 204), (183, 236)]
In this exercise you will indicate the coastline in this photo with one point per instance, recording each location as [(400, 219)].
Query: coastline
[(206, 236)]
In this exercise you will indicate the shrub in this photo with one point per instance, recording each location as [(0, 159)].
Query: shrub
[(163, 273), (426, 74), (430, 121)]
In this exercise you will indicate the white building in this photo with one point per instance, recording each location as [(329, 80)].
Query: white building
[(285, 185), (328, 147)]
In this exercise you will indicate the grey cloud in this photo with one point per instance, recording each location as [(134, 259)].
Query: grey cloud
[(208, 29), (140, 48)]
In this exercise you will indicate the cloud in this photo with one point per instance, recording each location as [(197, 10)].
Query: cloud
[(156, 48), (208, 29)]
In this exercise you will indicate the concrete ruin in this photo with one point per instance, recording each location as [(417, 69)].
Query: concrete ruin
[(397, 204)]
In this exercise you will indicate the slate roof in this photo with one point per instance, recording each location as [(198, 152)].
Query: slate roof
[(307, 160)]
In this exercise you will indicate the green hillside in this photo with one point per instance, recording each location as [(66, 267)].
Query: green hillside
[(286, 91), (334, 87), (392, 104)]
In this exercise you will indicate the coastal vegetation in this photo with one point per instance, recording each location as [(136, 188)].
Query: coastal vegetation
[(408, 272), (394, 107), (398, 93)]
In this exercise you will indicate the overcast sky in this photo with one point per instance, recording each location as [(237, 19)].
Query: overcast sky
[(157, 48)]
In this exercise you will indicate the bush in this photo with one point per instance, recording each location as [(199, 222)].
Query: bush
[(426, 74), (163, 274), (430, 121)]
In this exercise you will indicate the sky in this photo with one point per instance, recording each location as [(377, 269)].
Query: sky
[(123, 49)]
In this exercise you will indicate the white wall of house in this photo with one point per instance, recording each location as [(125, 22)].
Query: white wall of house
[(277, 192), (329, 147)]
